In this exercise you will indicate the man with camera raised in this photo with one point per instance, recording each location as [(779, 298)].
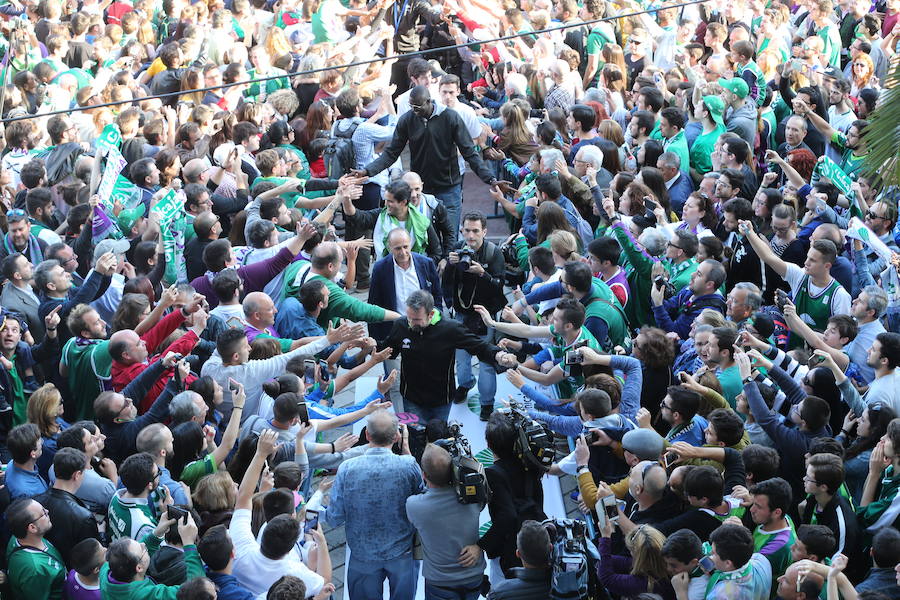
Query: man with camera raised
[(474, 275), (454, 563)]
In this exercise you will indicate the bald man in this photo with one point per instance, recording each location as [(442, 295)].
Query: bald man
[(259, 314), (131, 356)]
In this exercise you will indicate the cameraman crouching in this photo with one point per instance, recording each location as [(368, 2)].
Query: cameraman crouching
[(474, 275), (454, 563)]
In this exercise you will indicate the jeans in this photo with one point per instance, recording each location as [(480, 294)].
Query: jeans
[(487, 377), (365, 580), (451, 197), (433, 592), (427, 413)]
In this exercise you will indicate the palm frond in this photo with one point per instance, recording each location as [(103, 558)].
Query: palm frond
[(882, 136)]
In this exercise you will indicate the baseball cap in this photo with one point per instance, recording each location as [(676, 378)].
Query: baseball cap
[(716, 107), (736, 85), (114, 246), (645, 444), (128, 217)]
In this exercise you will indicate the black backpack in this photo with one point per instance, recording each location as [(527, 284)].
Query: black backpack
[(339, 156)]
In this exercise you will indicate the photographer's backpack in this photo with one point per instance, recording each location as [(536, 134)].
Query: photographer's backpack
[(339, 156), (570, 560)]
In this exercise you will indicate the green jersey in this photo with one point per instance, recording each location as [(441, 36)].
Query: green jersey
[(678, 144), (90, 366), (814, 310), (851, 163), (35, 573), (197, 470), (571, 381), (776, 546), (680, 273), (131, 517), (701, 151)]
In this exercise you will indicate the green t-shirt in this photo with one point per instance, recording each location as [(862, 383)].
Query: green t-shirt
[(19, 402), (131, 517), (732, 385), (90, 366), (680, 274), (678, 145), (197, 470), (35, 573), (571, 381), (775, 546), (832, 39), (701, 151), (851, 163)]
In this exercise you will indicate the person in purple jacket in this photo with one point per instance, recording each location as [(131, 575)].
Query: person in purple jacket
[(218, 255)]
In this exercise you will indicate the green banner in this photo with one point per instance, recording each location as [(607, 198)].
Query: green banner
[(826, 167), (171, 222), (109, 137)]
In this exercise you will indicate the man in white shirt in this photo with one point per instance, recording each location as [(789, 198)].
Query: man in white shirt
[(419, 72), (448, 89), (257, 565), (394, 278)]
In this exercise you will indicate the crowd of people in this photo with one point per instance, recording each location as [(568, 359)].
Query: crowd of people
[(215, 222)]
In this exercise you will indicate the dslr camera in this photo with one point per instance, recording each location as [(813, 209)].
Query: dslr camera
[(466, 255)]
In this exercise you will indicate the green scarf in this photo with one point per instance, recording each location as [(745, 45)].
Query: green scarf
[(416, 224)]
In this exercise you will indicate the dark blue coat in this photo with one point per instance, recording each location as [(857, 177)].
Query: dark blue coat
[(383, 293)]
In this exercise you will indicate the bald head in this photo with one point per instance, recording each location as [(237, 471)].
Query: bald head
[(411, 178), (652, 481), (382, 429), (193, 170), (436, 465), (419, 95), (258, 306)]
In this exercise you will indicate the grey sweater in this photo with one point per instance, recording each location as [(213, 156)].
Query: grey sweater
[(444, 536)]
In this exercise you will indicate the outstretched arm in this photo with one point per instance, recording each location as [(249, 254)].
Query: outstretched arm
[(762, 249)]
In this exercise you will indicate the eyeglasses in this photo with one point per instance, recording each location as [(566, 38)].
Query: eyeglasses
[(873, 216), (810, 480), (673, 246), (128, 402), (44, 513)]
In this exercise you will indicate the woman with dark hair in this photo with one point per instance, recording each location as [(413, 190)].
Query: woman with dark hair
[(710, 247), (132, 309), (212, 394), (656, 351), (189, 461), (547, 136), (699, 215), (169, 164), (319, 119), (870, 428), (649, 153), (281, 135), (653, 179), (551, 217), (820, 382), (764, 202)]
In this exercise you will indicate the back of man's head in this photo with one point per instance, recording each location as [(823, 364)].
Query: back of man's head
[(734, 543), (886, 548), (279, 501), (533, 544), (216, 548), (279, 537), (381, 428), (436, 465)]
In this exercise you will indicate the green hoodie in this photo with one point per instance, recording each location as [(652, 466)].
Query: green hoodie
[(146, 589), (340, 304)]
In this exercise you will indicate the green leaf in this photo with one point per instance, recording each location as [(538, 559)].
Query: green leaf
[(882, 136)]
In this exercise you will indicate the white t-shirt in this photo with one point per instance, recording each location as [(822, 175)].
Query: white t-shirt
[(256, 572), (840, 305)]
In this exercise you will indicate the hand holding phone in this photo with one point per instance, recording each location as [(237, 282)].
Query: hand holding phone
[(312, 521)]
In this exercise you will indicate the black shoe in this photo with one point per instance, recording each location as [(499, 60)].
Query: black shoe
[(460, 395), (486, 411)]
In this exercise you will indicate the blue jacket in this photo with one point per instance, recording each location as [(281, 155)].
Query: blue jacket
[(228, 587), (383, 293), (679, 192), (678, 312)]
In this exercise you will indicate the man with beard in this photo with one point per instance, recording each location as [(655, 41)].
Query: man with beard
[(427, 343), (851, 145), (35, 567)]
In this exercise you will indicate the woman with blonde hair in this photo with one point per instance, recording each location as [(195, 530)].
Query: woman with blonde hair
[(192, 80), (645, 569), (612, 77), (564, 245), (45, 409), (214, 497), (515, 139)]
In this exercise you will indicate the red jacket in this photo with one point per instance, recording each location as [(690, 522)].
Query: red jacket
[(123, 374)]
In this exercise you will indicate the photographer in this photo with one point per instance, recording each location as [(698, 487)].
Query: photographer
[(474, 275), (454, 564)]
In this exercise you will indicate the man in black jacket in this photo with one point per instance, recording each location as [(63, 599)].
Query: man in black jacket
[(72, 520), (474, 276), (532, 581), (427, 344), (435, 133)]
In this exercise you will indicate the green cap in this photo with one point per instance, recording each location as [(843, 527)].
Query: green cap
[(128, 217), (736, 85), (716, 107)]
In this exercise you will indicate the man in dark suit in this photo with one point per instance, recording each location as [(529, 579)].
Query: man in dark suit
[(18, 295), (677, 181), (394, 277)]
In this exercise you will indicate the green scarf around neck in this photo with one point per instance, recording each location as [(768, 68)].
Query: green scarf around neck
[(416, 224)]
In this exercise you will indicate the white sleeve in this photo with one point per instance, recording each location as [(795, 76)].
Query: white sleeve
[(241, 533), (793, 276), (841, 303), (568, 465)]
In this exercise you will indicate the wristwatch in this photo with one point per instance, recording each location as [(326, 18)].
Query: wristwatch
[(749, 379)]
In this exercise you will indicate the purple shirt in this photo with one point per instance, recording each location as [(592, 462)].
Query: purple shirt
[(255, 276), (75, 590)]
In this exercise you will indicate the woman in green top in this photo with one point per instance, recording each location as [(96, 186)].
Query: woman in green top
[(189, 463)]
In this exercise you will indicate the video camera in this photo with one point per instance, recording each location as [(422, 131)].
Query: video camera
[(534, 441), (469, 480)]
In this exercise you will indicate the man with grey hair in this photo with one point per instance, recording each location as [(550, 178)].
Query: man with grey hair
[(427, 343), (868, 308), (591, 156), (677, 182), (558, 96), (369, 498), (187, 406), (742, 301)]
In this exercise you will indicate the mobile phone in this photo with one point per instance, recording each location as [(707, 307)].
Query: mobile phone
[(611, 508), (324, 373), (659, 282), (303, 412), (312, 520), (574, 357), (233, 385), (176, 513), (669, 460), (309, 371), (650, 203), (781, 299), (707, 564), (591, 436), (815, 360), (683, 377)]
